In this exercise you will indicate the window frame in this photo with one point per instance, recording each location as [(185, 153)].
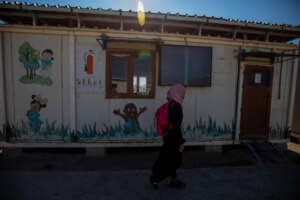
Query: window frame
[(130, 75), (160, 66)]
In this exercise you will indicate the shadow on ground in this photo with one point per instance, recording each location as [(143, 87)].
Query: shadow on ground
[(135, 158)]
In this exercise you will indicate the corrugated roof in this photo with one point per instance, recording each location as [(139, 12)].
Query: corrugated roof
[(24, 5), (57, 15)]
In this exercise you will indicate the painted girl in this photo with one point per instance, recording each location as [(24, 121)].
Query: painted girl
[(33, 114)]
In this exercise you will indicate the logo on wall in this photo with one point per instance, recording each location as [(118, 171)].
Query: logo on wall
[(37, 65), (88, 58), (88, 77), (33, 114), (130, 117)]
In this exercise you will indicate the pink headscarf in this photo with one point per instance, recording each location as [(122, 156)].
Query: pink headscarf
[(176, 92)]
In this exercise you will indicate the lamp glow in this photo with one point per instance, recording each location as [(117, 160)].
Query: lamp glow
[(141, 13)]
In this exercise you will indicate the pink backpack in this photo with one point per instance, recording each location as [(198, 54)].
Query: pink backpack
[(161, 122)]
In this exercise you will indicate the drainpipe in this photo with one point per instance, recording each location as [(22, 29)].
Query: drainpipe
[(3, 80), (237, 96), (72, 68), (280, 76)]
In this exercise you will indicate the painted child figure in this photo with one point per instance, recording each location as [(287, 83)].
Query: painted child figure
[(33, 114), (46, 61), (130, 117)]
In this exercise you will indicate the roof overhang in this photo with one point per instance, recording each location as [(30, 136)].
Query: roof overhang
[(76, 17)]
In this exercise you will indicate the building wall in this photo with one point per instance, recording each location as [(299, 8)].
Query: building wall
[(216, 102), (23, 92), (2, 97), (208, 111), (296, 113), (50, 82), (281, 100), (281, 95)]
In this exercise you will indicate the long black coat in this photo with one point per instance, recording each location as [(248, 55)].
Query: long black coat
[(170, 159)]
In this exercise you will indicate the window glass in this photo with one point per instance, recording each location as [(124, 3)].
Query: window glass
[(198, 66), (130, 74), (142, 75), (258, 77), (172, 65), (190, 66), (119, 73)]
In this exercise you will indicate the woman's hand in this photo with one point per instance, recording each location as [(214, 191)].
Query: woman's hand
[(181, 148)]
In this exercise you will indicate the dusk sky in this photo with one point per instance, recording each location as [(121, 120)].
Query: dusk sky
[(274, 11)]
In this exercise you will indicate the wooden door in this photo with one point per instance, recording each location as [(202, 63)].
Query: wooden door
[(256, 102)]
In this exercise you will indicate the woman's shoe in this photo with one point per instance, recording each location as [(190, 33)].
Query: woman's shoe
[(153, 183)]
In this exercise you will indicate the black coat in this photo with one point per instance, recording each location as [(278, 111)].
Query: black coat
[(170, 159)]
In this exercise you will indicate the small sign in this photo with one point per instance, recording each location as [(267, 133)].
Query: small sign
[(88, 72), (257, 79)]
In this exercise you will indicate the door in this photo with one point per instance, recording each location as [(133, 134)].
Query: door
[(256, 102)]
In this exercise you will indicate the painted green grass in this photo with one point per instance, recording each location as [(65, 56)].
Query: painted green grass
[(2, 136), (53, 132), (41, 80), (208, 130), (200, 130), (48, 132), (90, 133), (279, 132), (114, 133)]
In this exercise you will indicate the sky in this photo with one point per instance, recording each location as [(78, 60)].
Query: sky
[(274, 11)]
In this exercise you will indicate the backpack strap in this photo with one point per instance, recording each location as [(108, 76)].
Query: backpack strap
[(172, 103)]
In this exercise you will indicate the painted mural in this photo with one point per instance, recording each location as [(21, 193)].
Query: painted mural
[(130, 117), (33, 113), (36, 130), (279, 132), (2, 136), (37, 65), (201, 130)]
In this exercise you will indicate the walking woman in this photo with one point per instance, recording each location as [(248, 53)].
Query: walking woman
[(170, 157)]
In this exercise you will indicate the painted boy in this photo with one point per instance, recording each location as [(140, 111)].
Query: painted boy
[(46, 61)]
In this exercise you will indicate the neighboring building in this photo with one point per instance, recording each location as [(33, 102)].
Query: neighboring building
[(92, 75)]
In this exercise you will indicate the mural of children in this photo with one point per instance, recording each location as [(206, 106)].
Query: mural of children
[(33, 61), (130, 117), (46, 61), (33, 114)]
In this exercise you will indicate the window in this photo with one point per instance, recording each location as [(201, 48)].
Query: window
[(258, 77), (130, 74), (190, 66)]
